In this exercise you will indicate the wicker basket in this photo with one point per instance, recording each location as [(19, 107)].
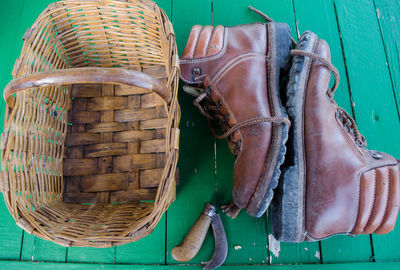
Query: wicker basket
[(90, 143)]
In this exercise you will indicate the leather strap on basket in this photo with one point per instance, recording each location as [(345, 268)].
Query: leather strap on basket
[(86, 75)]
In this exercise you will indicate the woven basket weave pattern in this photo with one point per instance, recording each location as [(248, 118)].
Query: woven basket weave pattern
[(107, 145)]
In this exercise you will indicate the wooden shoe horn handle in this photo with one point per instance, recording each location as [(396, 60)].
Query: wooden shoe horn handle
[(195, 238)]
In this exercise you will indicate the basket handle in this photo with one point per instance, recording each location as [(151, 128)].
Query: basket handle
[(86, 75)]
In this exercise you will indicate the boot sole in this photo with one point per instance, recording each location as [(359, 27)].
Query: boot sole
[(262, 197), (288, 207)]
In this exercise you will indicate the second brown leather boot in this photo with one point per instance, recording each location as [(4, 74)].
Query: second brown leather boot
[(331, 183), (239, 70)]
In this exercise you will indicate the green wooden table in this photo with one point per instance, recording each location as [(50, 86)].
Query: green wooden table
[(364, 36)]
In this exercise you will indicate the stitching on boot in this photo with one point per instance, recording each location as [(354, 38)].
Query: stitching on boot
[(235, 61)]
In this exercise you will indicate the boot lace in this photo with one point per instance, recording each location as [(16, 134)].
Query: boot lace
[(211, 110), (349, 124)]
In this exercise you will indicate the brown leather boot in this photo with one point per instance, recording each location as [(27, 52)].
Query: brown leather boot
[(331, 183), (239, 69)]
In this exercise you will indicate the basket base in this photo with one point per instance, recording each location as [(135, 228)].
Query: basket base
[(116, 143)]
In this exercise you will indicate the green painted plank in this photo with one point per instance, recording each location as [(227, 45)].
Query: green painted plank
[(60, 266), (227, 14), (148, 250), (294, 253), (319, 17), (36, 249), (10, 16), (371, 88), (388, 14), (196, 160), (10, 235), (185, 15), (91, 255), (340, 249), (166, 5)]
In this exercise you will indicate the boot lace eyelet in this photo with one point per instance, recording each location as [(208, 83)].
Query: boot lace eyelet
[(346, 128), (239, 144), (218, 104), (208, 91), (338, 115), (376, 156), (196, 70), (227, 117), (359, 143)]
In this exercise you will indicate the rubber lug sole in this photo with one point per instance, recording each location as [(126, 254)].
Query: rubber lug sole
[(288, 206)]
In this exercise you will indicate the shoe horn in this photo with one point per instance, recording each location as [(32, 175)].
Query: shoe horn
[(195, 238)]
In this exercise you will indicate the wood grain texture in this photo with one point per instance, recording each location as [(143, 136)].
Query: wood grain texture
[(82, 138), (84, 117), (150, 178), (86, 90), (138, 161), (125, 90), (77, 167), (105, 149), (130, 115), (134, 135), (107, 103), (104, 182)]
